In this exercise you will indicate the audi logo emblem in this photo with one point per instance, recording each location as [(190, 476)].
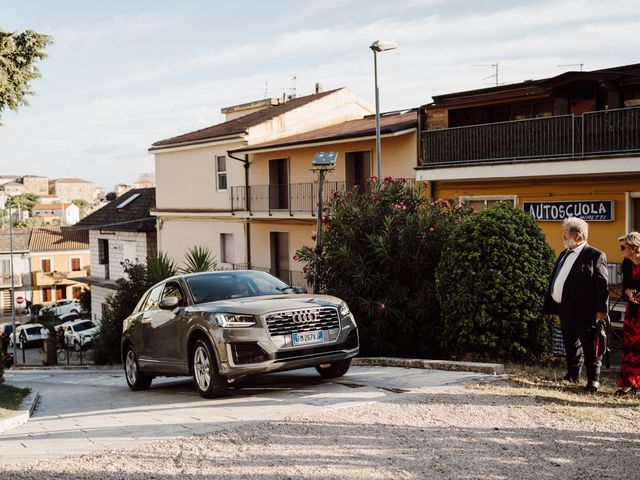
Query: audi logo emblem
[(304, 317)]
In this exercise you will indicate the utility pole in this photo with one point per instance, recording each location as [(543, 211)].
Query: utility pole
[(13, 305)]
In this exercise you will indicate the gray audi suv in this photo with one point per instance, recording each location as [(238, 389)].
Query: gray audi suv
[(221, 326)]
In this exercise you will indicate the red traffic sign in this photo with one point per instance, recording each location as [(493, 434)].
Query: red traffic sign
[(19, 300)]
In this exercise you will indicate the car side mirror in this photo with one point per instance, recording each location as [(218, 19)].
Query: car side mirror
[(300, 290), (169, 303)]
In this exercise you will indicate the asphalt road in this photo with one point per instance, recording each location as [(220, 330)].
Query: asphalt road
[(82, 411)]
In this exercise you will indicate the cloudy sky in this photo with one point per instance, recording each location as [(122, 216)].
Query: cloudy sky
[(123, 74)]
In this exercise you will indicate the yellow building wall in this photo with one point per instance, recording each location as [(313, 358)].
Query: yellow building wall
[(61, 265), (602, 235), (399, 157)]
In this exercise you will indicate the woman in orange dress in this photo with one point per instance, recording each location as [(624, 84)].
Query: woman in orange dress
[(630, 368)]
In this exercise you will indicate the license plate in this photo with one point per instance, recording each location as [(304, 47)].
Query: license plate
[(308, 337)]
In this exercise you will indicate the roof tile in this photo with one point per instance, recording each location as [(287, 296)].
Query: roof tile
[(239, 125)]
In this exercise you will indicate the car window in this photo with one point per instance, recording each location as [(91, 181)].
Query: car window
[(228, 285), (172, 289), (33, 330), (153, 299), (82, 326)]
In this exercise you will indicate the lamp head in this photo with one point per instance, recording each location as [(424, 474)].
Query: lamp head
[(383, 45)]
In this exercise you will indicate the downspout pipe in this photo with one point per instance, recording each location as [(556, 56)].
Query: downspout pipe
[(247, 225)]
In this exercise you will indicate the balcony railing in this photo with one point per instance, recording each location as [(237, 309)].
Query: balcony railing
[(53, 278), (5, 280), (292, 197), (607, 132)]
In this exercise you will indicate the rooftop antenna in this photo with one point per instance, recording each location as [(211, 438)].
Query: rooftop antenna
[(495, 75), (572, 65), (265, 89), (292, 89)]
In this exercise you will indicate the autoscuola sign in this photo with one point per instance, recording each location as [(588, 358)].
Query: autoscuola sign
[(590, 210)]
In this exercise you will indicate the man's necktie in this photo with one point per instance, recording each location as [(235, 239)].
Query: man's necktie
[(560, 264)]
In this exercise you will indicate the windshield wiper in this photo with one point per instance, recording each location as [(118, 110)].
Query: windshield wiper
[(284, 289)]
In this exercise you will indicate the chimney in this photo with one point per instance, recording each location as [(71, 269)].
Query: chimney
[(318, 87)]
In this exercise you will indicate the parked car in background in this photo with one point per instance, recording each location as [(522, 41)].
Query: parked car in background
[(27, 335), (67, 317), (79, 333), (62, 307), (224, 325)]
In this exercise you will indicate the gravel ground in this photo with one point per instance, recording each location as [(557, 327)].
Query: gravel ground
[(491, 431)]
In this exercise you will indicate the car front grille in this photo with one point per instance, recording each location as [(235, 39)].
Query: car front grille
[(307, 320)]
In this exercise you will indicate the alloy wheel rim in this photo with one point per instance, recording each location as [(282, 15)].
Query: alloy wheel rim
[(131, 367), (202, 368)]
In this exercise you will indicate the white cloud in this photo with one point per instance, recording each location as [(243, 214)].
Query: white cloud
[(102, 128)]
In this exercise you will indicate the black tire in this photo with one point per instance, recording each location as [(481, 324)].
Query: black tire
[(208, 381), (76, 346), (135, 378), (335, 369)]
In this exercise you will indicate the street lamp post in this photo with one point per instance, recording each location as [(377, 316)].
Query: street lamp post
[(13, 305), (379, 46)]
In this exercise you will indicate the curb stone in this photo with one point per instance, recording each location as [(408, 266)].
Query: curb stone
[(23, 414), (487, 368)]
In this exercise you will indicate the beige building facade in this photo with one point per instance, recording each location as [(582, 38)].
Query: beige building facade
[(196, 173)]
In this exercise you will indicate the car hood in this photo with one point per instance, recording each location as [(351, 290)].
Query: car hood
[(266, 304)]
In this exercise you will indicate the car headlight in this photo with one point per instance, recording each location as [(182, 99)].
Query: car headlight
[(344, 309), (228, 320)]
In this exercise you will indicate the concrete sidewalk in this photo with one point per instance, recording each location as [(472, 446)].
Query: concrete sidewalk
[(82, 411)]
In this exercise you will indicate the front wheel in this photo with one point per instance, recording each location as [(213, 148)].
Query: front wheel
[(335, 369), (208, 381), (135, 378)]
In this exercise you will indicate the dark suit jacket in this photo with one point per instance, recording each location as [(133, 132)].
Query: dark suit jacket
[(585, 292)]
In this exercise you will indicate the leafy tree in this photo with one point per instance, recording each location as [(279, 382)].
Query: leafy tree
[(491, 283), (82, 206), (19, 53), (26, 201), (85, 300), (199, 259), (381, 249), (119, 306)]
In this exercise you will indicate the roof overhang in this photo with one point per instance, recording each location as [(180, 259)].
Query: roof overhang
[(178, 147), (303, 144), (529, 169)]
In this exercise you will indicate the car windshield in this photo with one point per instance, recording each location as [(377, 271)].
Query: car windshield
[(33, 330), (227, 285), (79, 327)]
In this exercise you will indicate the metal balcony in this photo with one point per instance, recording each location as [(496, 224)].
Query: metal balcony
[(601, 133), (289, 198)]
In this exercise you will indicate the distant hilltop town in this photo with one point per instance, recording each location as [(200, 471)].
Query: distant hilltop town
[(39, 200)]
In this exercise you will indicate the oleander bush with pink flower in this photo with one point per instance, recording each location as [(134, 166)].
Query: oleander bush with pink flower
[(381, 247)]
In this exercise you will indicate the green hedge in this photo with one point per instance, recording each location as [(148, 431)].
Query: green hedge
[(491, 282)]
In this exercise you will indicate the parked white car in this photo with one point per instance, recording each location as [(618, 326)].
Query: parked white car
[(62, 307), (79, 333), (28, 334)]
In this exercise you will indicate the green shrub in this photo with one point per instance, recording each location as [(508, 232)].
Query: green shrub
[(119, 306), (199, 259), (85, 300), (381, 249), (491, 283)]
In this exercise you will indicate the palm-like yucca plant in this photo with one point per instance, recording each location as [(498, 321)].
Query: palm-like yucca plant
[(199, 259), (160, 267)]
